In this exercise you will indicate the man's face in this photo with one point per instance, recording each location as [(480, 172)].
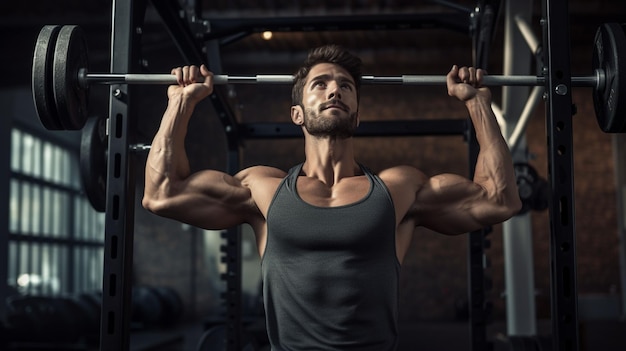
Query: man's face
[(330, 102)]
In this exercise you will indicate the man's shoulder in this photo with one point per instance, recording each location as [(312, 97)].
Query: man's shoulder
[(403, 179), (260, 173), (402, 173)]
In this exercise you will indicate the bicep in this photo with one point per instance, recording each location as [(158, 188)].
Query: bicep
[(208, 199), (452, 204)]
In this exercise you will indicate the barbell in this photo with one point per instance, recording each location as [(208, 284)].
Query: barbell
[(61, 80), (85, 79)]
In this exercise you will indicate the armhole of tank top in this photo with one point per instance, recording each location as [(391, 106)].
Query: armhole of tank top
[(280, 186), (393, 211), (385, 189), (269, 212), (376, 179)]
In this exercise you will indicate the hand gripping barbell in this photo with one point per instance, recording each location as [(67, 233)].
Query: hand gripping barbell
[(61, 79)]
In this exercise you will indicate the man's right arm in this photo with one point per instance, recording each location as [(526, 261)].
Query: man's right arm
[(209, 199)]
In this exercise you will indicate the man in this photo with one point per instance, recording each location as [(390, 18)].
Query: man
[(331, 234)]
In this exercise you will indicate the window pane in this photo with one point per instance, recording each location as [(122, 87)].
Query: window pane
[(78, 218), (12, 264), (36, 280), (36, 210), (51, 269), (65, 170), (61, 167), (64, 204), (53, 165), (57, 211), (48, 161), (36, 157), (55, 271), (46, 208), (78, 268), (14, 206), (95, 271), (25, 212), (54, 210), (16, 150), (57, 169), (22, 268), (27, 154), (63, 270), (44, 269)]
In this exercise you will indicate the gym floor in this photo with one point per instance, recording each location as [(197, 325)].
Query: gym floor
[(439, 336)]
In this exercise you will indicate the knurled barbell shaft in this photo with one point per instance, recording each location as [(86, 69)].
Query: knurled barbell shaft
[(490, 80)]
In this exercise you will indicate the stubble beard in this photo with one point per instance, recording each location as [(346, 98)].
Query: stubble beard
[(333, 126)]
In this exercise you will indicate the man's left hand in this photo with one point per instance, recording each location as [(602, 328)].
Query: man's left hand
[(465, 83)]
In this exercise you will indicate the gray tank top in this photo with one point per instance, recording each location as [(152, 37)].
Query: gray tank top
[(330, 274)]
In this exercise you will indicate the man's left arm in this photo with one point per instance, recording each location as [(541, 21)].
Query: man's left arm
[(494, 166), (452, 204)]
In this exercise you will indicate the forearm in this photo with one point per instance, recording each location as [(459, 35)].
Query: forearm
[(167, 160), (494, 165)]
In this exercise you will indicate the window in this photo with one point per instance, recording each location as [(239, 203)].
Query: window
[(55, 236)]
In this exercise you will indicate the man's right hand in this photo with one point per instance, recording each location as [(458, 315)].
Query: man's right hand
[(188, 86)]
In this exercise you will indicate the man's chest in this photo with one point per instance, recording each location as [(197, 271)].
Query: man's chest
[(347, 191)]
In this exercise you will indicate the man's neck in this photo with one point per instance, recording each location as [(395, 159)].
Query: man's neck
[(329, 159)]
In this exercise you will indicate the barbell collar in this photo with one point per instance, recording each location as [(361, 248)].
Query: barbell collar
[(596, 80), (600, 79)]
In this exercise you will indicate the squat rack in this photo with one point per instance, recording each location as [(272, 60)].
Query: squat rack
[(127, 24)]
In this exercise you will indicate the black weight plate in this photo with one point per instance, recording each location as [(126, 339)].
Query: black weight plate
[(93, 162), (526, 177), (541, 197), (172, 304), (42, 77), (70, 55), (147, 307), (609, 54)]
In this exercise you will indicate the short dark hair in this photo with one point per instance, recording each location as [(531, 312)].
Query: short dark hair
[(334, 54)]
